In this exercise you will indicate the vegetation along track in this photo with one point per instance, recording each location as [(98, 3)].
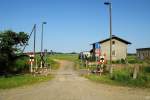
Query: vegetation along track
[(68, 85)]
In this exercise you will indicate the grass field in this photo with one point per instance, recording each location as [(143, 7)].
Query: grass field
[(21, 80), (124, 77), (26, 79), (54, 65), (70, 57), (105, 79)]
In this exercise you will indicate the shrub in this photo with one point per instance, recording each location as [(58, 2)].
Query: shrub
[(133, 61), (146, 69), (142, 80), (125, 77), (120, 61), (21, 64), (10, 45), (123, 61), (121, 75)]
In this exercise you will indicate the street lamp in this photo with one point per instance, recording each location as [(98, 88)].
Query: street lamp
[(110, 19), (42, 44)]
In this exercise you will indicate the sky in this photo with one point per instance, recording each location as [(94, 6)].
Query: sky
[(72, 25)]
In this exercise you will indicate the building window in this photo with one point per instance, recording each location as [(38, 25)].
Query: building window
[(113, 53), (113, 42), (113, 48)]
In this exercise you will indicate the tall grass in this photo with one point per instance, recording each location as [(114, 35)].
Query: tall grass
[(20, 80), (124, 77), (53, 64)]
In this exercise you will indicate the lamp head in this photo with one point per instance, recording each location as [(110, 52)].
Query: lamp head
[(44, 22), (107, 3)]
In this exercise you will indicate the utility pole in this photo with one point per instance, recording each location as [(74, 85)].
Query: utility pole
[(110, 23), (34, 38), (42, 59), (34, 47)]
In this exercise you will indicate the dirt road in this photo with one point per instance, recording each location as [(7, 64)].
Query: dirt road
[(67, 85)]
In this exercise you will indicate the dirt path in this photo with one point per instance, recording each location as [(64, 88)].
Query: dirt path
[(67, 85)]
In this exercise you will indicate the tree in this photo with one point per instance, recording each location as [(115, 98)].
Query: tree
[(10, 45)]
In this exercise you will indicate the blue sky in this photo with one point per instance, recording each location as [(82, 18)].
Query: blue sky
[(72, 25)]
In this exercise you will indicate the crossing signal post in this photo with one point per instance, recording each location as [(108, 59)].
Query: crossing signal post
[(102, 59), (101, 62), (31, 60)]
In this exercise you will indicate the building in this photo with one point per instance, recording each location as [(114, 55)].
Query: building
[(119, 48), (143, 53)]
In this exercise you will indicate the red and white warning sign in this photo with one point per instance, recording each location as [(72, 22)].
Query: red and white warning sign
[(31, 58), (102, 59)]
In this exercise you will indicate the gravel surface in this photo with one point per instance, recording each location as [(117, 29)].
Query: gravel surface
[(68, 85)]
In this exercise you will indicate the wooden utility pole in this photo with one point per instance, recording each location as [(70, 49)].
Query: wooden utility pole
[(110, 20)]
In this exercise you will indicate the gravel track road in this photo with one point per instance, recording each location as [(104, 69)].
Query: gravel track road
[(68, 85)]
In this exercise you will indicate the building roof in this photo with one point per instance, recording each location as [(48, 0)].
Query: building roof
[(113, 37), (117, 38), (143, 48)]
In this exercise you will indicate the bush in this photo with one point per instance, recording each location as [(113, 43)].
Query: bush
[(21, 65), (142, 80), (120, 61), (133, 61), (123, 61), (120, 75), (147, 69), (117, 62), (10, 44), (125, 77)]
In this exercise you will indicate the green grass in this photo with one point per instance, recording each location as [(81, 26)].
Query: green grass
[(70, 57), (100, 79), (21, 80), (21, 65), (54, 65), (132, 59), (27, 79), (122, 78)]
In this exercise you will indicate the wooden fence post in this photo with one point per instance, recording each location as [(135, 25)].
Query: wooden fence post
[(135, 71)]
